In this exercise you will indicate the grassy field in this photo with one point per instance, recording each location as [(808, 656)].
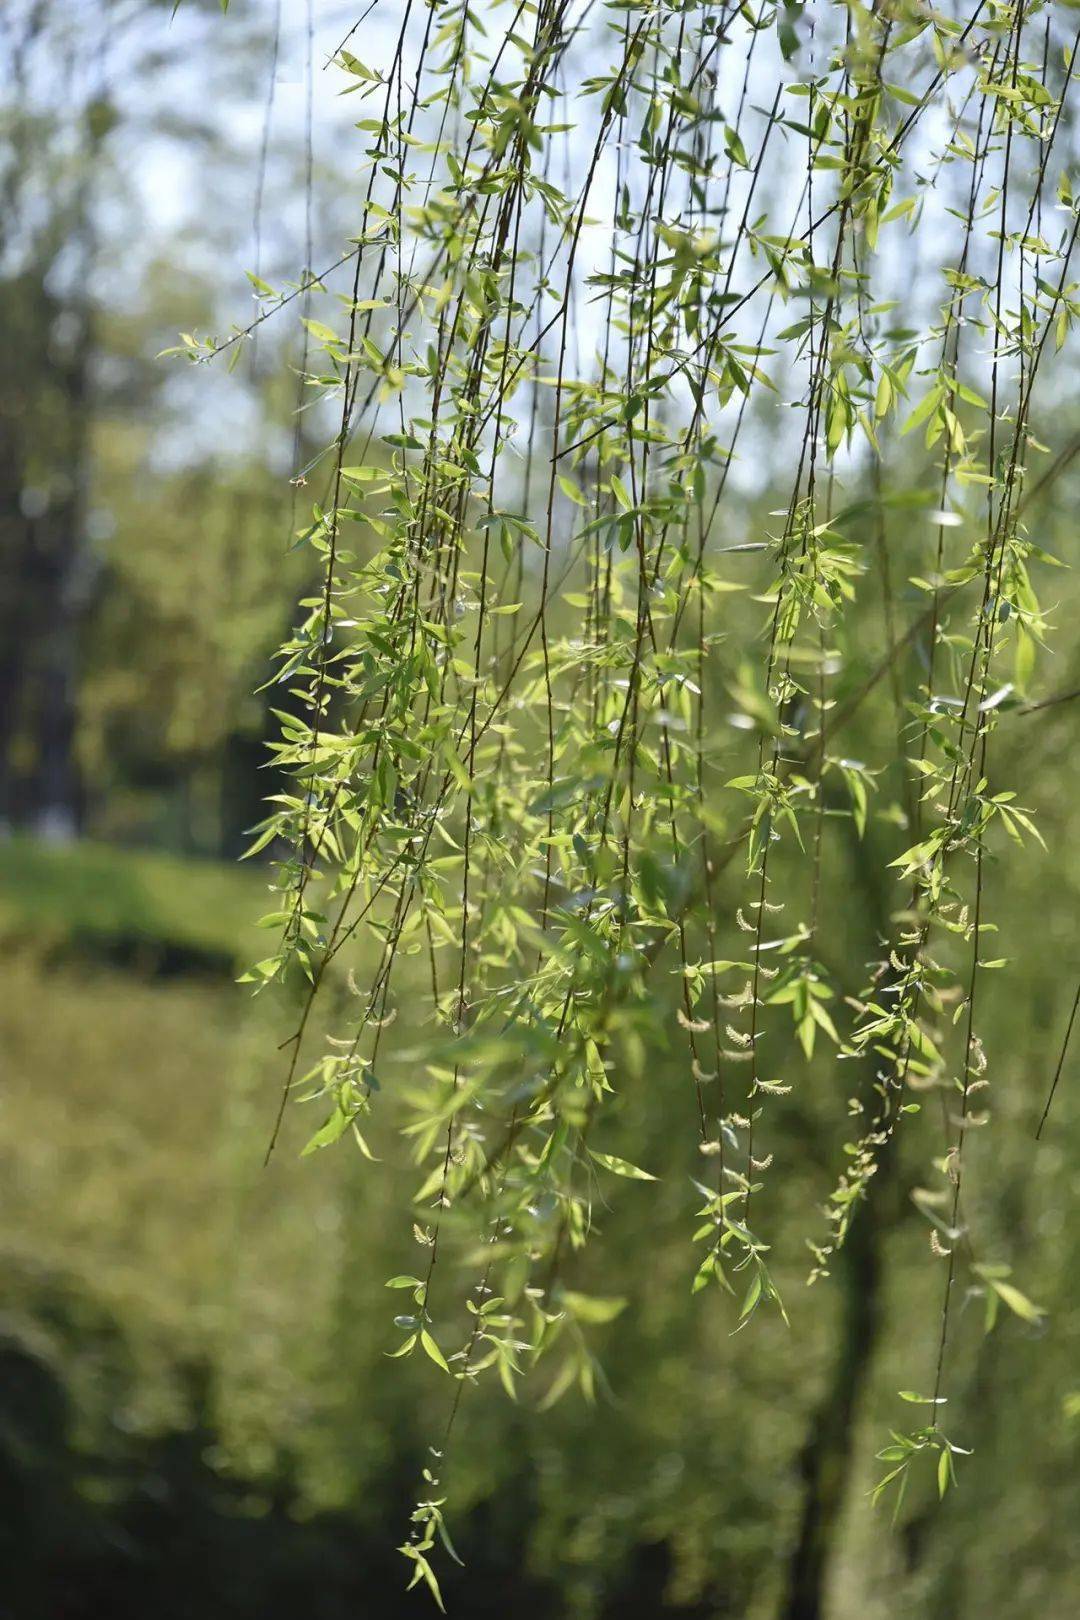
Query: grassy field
[(137, 904), (138, 1100)]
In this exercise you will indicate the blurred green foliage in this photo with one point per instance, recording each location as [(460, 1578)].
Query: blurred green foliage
[(197, 1414), (171, 1287)]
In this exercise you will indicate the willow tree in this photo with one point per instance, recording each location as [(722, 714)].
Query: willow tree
[(564, 750)]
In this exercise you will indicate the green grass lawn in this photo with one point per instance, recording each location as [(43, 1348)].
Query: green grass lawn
[(140, 1233), (109, 900)]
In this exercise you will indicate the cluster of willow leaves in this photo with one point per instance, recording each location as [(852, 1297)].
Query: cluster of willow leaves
[(654, 745)]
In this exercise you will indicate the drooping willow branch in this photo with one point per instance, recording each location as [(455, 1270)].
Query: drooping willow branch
[(620, 274)]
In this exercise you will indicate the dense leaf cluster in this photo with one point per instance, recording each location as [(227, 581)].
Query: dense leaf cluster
[(608, 263)]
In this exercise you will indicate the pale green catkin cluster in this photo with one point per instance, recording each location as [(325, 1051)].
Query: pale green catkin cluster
[(563, 747)]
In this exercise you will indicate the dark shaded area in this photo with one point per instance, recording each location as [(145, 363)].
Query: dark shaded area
[(148, 1525), (135, 953), (826, 1460), (43, 568), (825, 1463)]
